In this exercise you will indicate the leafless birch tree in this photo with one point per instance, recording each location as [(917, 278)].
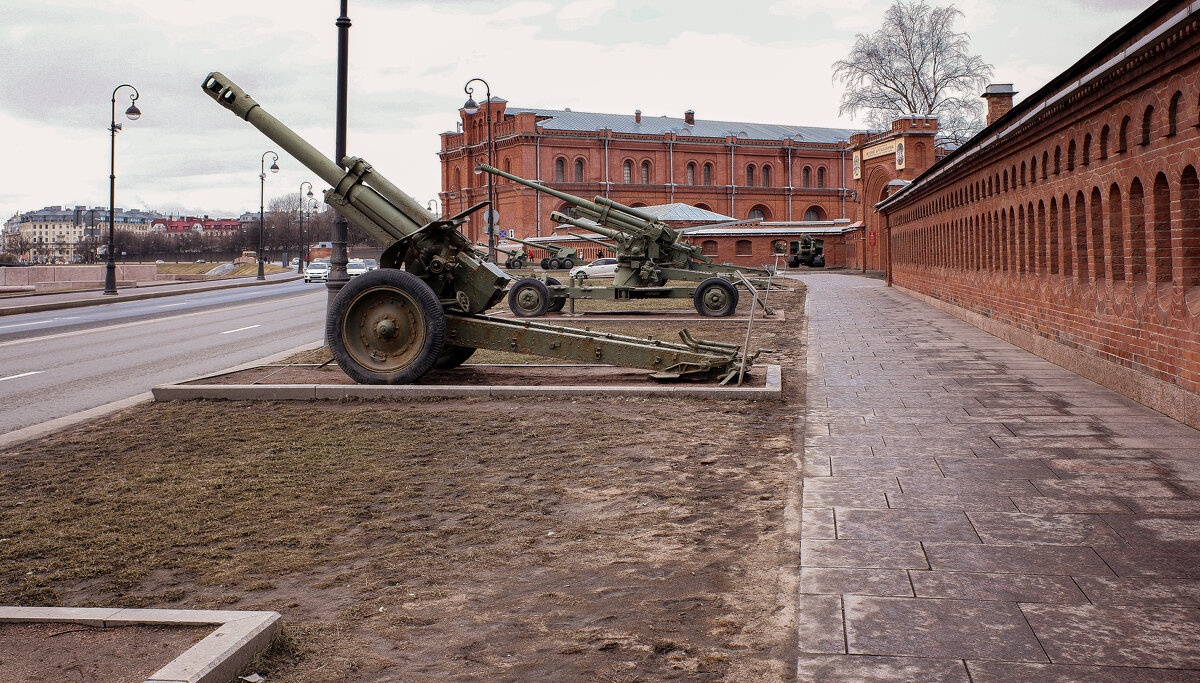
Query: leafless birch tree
[(915, 64)]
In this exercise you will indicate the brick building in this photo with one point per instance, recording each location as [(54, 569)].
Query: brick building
[(1071, 224), (183, 225), (772, 173)]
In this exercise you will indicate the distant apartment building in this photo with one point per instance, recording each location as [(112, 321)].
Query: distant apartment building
[(60, 234), (184, 225)]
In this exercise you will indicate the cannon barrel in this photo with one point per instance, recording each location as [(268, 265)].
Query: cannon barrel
[(617, 235), (602, 243), (612, 216), (547, 245), (396, 214)]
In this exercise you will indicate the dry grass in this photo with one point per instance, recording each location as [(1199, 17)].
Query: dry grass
[(242, 269), (590, 539)]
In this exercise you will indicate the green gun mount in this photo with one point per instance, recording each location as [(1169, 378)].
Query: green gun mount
[(423, 307), (806, 251), (516, 257), (558, 256)]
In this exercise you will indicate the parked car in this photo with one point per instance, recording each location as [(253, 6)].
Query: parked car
[(316, 271), (601, 267), (200, 260), (355, 268), (372, 264)]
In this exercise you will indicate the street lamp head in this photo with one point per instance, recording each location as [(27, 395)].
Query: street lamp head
[(274, 167), (310, 194), (133, 113), (470, 106)]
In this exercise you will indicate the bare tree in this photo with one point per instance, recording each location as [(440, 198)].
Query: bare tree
[(915, 64)]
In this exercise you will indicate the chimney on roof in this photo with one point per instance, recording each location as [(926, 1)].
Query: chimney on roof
[(637, 115), (999, 97), (689, 117)]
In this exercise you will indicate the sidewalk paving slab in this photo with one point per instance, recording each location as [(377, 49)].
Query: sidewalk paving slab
[(974, 512)]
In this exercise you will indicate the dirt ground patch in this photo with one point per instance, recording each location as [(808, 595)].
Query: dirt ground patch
[(499, 539), (66, 652)]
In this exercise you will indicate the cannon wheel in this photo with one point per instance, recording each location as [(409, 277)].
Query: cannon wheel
[(529, 298), (518, 264), (545, 264), (568, 263), (793, 261), (508, 263), (819, 261), (453, 356), (386, 327), (555, 264), (556, 303), (715, 298)]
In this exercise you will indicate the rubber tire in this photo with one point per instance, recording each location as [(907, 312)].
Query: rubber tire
[(514, 293), (555, 264), (568, 263), (556, 303), (545, 264), (660, 280), (819, 261), (453, 356), (426, 303), (793, 261), (731, 294), (518, 264), (508, 264)]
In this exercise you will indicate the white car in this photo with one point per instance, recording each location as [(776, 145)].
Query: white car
[(601, 267), (317, 270), (355, 268)]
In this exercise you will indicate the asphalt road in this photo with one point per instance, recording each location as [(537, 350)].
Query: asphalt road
[(58, 363)]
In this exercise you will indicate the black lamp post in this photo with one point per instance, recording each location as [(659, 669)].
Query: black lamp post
[(432, 207), (262, 186), (472, 108), (132, 113), (300, 230)]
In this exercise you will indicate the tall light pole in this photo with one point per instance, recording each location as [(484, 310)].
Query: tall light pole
[(432, 207), (300, 230), (262, 186), (472, 108), (337, 277), (132, 113)]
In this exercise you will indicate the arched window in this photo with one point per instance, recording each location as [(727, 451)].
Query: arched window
[(627, 171), (1081, 260), (806, 177), (766, 176), (1053, 236), (1104, 143), (691, 173), (1189, 216), (821, 177), (779, 247), (560, 165), (1033, 170), (1099, 267), (1005, 177), (814, 213), (1046, 165), (1163, 261), (1071, 155), (750, 175), (744, 248), (760, 212), (1116, 232), (708, 247), (645, 172), (507, 167), (1173, 114), (579, 170), (1087, 150), (1147, 122), (703, 206), (1123, 136), (1022, 173), (1057, 160), (457, 179), (755, 214), (708, 174), (1137, 231)]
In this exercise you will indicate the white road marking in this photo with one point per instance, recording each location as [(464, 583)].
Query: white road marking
[(144, 322), (38, 322), (251, 327), (23, 374)]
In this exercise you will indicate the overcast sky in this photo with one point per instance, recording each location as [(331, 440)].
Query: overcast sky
[(762, 61)]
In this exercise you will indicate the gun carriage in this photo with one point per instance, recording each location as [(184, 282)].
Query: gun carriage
[(423, 308), (558, 256)]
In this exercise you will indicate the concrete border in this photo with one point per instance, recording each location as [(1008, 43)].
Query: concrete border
[(239, 636), (773, 390), (135, 296)]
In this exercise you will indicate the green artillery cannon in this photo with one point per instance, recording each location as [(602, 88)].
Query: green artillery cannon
[(649, 253), (559, 256), (423, 307), (516, 257), (806, 251)]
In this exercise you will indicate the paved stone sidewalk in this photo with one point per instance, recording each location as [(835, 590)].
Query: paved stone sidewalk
[(973, 512)]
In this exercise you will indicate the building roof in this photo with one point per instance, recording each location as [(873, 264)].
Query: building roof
[(565, 119), (683, 212)]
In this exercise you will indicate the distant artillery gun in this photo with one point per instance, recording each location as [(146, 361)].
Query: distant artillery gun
[(516, 257), (649, 253), (559, 257), (423, 307), (806, 251)]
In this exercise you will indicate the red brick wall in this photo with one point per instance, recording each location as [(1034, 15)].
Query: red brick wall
[(1098, 251), (524, 150)]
